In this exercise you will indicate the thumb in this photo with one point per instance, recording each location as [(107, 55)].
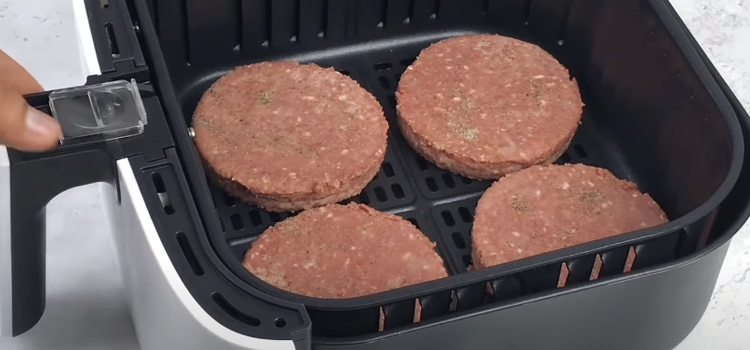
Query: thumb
[(23, 127)]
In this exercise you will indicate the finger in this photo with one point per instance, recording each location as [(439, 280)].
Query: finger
[(15, 75), (23, 127)]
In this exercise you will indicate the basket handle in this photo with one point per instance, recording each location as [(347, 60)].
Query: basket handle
[(28, 181)]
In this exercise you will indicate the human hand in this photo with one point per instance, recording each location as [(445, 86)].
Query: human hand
[(21, 126)]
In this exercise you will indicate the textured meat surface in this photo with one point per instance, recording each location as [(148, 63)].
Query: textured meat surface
[(296, 134), (546, 208), (487, 105), (343, 251)]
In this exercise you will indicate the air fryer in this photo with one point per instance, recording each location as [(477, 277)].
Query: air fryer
[(657, 113)]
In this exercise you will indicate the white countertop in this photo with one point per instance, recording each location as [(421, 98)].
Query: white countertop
[(85, 305)]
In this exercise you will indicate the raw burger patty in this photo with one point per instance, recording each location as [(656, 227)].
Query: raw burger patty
[(546, 208), (343, 251), (486, 105), (288, 136)]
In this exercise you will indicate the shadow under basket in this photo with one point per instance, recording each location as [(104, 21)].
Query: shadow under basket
[(654, 115)]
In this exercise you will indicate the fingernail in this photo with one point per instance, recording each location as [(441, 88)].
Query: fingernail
[(40, 123)]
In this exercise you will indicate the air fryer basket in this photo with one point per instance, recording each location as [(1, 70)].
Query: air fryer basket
[(654, 115)]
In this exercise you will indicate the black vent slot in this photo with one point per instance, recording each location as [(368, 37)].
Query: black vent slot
[(233, 312), (237, 223), (187, 251), (398, 191), (161, 191), (185, 30), (114, 48), (255, 218), (458, 240), (383, 66), (229, 200)]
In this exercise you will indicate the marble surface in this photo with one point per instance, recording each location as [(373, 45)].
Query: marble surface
[(86, 310)]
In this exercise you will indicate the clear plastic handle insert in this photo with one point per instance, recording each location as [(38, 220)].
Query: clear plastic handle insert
[(103, 112)]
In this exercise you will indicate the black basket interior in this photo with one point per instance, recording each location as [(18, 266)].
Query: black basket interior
[(648, 118)]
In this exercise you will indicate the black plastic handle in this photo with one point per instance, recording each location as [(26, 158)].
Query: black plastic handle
[(33, 185), (36, 178)]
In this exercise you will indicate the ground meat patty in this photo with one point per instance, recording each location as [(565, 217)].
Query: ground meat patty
[(546, 208), (289, 136), (343, 251), (487, 105)]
